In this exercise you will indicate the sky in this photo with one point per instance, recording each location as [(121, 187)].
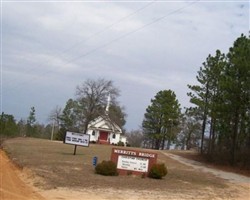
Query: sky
[(50, 47)]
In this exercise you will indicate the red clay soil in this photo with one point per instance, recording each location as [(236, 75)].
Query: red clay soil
[(11, 185)]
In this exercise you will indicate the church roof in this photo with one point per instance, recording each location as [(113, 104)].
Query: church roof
[(104, 123)]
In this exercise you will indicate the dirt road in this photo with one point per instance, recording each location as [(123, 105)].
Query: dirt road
[(11, 185), (231, 177), (236, 180)]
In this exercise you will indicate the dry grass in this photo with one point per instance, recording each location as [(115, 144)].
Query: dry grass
[(56, 166)]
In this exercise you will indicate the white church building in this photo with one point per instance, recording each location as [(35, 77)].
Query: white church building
[(103, 130)]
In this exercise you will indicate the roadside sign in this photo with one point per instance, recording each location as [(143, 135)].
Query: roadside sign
[(137, 162), (79, 139)]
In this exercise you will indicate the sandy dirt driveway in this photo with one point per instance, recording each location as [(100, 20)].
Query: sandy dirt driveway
[(235, 180), (14, 186)]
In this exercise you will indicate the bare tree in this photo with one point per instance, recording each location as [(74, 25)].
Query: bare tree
[(135, 138), (54, 118), (92, 98), (190, 133)]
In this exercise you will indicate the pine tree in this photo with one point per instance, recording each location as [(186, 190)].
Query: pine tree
[(223, 97), (160, 118), (237, 94)]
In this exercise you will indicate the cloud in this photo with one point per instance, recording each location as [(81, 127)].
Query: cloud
[(50, 48)]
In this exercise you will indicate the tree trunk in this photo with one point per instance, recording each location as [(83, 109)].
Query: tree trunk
[(163, 143), (203, 131), (188, 145), (209, 152), (204, 118), (168, 144), (157, 144), (213, 137), (234, 137)]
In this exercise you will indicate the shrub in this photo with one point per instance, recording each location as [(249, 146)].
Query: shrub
[(106, 168), (128, 145), (120, 143), (157, 171)]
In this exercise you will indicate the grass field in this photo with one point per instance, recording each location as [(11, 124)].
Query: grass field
[(56, 166)]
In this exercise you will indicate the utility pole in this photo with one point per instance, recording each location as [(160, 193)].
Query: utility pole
[(52, 132)]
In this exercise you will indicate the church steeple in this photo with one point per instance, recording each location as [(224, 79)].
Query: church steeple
[(108, 104)]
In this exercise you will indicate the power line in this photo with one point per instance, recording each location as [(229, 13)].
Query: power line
[(92, 36), (120, 37), (130, 33)]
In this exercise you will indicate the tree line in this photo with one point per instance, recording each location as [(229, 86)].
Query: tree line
[(29, 127), (90, 102), (217, 124), (222, 100)]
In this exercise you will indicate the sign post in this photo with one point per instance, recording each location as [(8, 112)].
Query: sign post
[(77, 139), (75, 150)]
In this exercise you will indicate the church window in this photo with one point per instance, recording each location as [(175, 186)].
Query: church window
[(113, 136), (93, 133)]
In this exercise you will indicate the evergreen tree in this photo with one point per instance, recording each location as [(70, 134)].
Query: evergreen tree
[(207, 94), (69, 117), (8, 125), (160, 119), (223, 97), (31, 131), (236, 85)]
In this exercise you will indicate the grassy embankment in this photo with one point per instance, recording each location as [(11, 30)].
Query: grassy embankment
[(56, 166)]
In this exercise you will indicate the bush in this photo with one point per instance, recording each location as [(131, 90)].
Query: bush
[(157, 171), (128, 145), (120, 143), (106, 168)]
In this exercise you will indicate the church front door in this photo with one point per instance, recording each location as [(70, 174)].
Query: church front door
[(103, 137)]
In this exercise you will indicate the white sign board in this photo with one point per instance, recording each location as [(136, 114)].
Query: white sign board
[(77, 139), (132, 163)]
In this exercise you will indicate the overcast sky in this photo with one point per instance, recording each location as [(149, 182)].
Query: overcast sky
[(50, 47)]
